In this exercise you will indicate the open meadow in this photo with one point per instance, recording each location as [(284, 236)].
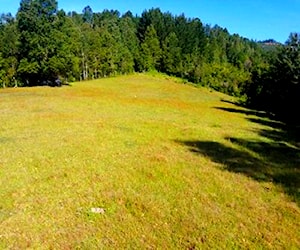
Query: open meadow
[(143, 162)]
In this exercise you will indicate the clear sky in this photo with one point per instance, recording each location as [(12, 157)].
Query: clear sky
[(254, 19)]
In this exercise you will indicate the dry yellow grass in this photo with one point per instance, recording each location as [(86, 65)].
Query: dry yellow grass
[(166, 161)]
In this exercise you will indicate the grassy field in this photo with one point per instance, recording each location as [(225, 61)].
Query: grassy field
[(169, 166)]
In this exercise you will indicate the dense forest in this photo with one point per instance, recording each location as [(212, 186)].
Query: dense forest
[(43, 45)]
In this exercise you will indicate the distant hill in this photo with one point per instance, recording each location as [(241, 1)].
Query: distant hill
[(269, 44)]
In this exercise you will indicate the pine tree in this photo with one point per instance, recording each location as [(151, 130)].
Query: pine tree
[(150, 50), (35, 20), (171, 55), (8, 48)]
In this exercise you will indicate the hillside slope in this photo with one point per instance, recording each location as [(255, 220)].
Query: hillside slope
[(168, 166)]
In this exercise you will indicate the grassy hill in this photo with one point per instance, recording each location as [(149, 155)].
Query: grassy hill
[(141, 162)]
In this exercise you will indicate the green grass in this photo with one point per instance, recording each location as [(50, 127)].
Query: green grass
[(173, 166)]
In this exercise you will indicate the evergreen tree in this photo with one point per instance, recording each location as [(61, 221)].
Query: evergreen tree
[(150, 50), (8, 49), (171, 55), (2, 72), (35, 21), (128, 29), (87, 15)]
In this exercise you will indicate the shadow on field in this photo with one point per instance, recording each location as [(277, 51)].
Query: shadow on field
[(276, 160), (279, 131), (274, 129), (244, 111)]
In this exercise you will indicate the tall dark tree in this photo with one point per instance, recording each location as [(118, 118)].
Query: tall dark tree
[(130, 43), (35, 22), (150, 50), (171, 55), (2, 72), (8, 48), (88, 15), (217, 40)]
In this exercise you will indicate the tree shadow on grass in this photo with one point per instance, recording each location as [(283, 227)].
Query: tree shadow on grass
[(274, 157), (269, 162), (231, 158), (278, 131), (268, 123), (245, 111), (275, 128)]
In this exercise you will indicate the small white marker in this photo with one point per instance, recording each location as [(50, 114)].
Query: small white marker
[(97, 210)]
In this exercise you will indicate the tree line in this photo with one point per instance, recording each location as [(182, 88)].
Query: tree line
[(42, 44), (276, 86)]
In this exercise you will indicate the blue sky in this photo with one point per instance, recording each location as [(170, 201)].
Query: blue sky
[(254, 19)]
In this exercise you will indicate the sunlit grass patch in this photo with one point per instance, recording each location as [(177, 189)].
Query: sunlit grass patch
[(169, 169)]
